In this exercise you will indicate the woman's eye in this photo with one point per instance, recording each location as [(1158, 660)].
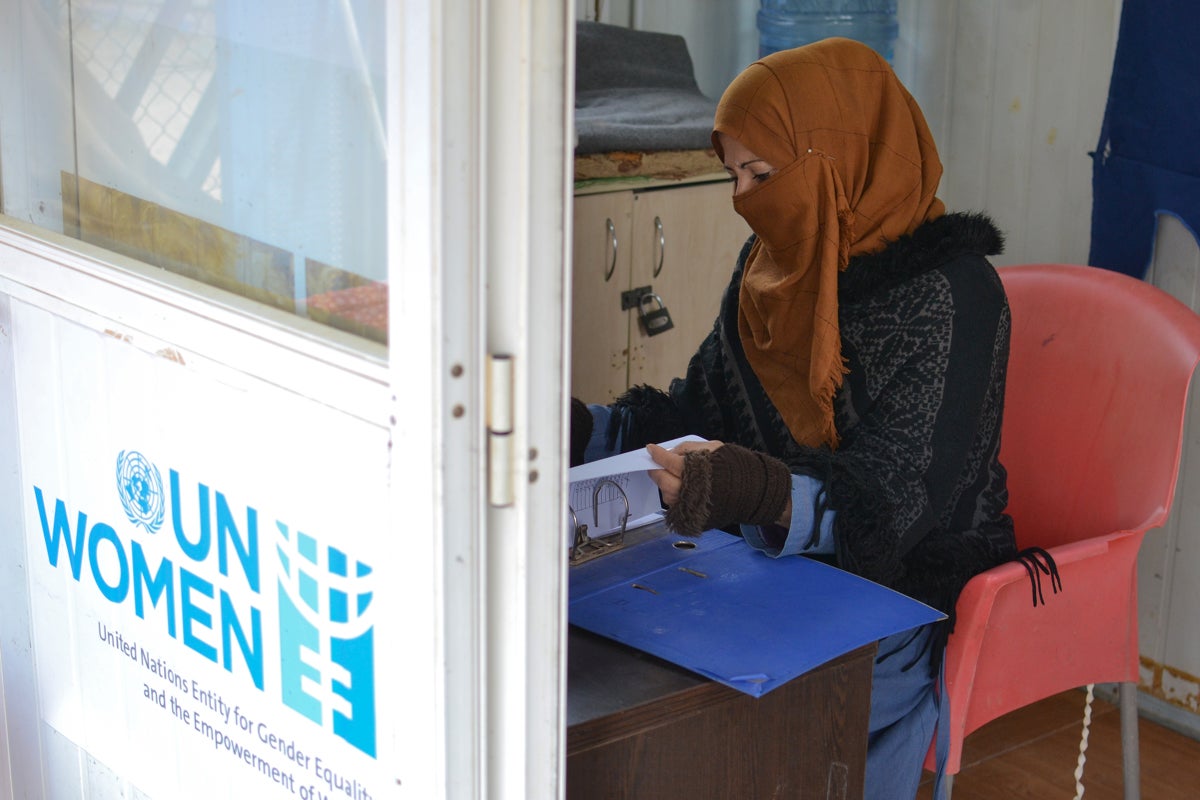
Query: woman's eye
[(759, 177)]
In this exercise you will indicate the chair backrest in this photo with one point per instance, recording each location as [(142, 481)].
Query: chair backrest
[(1098, 375)]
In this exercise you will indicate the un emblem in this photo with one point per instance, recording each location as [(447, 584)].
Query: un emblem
[(140, 487)]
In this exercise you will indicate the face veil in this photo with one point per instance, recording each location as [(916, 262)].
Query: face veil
[(857, 168)]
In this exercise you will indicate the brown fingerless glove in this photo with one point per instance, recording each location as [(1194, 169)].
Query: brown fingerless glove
[(726, 486)]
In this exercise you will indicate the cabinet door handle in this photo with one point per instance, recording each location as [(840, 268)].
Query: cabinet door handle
[(662, 244), (612, 235)]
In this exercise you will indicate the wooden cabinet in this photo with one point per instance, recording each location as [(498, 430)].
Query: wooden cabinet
[(638, 727), (682, 242), (600, 273)]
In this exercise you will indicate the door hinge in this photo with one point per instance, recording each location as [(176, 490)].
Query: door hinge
[(500, 430)]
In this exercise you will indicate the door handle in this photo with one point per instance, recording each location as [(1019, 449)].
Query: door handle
[(612, 235), (662, 244)]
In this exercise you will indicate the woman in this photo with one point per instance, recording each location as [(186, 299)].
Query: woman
[(852, 387)]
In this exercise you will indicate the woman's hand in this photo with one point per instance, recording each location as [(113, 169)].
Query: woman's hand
[(709, 485), (669, 479)]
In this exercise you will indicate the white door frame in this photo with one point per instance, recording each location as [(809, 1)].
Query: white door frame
[(501, 100)]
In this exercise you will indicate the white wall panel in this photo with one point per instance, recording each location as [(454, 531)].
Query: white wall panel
[(1169, 563), (1013, 42), (722, 36), (1015, 95), (924, 58)]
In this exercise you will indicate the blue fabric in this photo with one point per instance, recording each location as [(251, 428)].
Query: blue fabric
[(904, 714), (807, 494), (1147, 162), (941, 752), (597, 447)]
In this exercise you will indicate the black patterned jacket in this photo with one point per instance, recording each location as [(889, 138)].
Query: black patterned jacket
[(916, 481)]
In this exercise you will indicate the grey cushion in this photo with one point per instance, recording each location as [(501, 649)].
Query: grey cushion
[(636, 90)]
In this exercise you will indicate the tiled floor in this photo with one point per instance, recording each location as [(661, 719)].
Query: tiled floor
[(1032, 753)]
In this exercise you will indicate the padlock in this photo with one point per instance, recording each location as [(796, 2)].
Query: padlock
[(656, 321)]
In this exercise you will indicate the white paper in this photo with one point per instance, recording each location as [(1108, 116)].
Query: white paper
[(628, 471)]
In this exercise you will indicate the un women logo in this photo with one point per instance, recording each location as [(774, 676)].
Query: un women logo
[(327, 637), (140, 487)]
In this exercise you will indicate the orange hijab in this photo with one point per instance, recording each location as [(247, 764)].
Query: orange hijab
[(857, 168)]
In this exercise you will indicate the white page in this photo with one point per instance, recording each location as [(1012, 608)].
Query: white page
[(628, 471)]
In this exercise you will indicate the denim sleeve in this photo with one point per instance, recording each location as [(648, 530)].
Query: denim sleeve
[(597, 446), (807, 497)]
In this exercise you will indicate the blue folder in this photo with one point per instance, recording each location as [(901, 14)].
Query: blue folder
[(719, 608)]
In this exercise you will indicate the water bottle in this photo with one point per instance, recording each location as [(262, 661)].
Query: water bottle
[(783, 24)]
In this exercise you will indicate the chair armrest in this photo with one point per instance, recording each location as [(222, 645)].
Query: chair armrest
[(1085, 633)]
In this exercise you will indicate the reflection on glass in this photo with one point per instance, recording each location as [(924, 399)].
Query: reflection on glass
[(241, 144)]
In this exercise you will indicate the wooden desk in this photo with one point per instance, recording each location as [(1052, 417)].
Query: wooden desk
[(644, 729)]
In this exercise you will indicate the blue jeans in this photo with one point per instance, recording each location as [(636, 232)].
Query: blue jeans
[(904, 713)]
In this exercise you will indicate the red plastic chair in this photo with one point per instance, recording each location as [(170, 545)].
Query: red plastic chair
[(1098, 378)]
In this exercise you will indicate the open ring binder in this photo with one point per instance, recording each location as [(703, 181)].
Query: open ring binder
[(585, 548)]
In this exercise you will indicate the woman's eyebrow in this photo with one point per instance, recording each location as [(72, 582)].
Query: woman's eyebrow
[(745, 164)]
